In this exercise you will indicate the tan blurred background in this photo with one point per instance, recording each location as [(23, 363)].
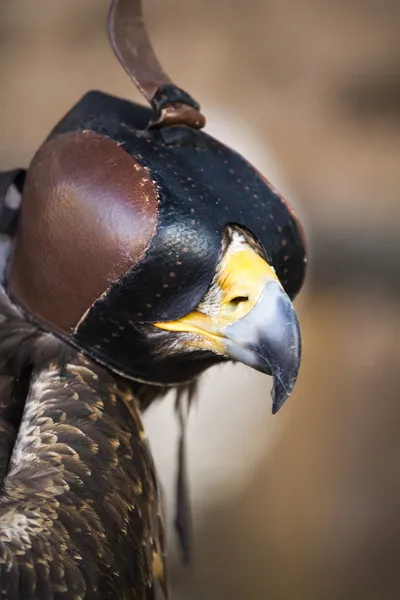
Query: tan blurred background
[(304, 506)]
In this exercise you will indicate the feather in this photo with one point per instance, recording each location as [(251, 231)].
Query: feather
[(80, 509), (183, 519)]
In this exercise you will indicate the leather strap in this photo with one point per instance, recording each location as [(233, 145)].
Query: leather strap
[(132, 46)]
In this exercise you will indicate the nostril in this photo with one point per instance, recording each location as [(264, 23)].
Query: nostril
[(237, 300)]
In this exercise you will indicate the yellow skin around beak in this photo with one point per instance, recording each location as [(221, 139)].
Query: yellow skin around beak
[(241, 278), (247, 316)]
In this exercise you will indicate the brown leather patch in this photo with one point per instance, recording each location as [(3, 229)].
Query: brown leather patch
[(89, 210)]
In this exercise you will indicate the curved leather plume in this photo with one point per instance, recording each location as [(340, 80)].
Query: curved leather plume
[(132, 46)]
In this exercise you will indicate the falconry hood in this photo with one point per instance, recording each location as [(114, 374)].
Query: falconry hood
[(123, 213)]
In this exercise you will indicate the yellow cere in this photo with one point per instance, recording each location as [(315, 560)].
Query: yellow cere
[(241, 279)]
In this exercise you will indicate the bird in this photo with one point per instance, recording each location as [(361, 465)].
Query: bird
[(142, 252)]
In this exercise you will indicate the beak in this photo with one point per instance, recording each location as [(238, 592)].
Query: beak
[(253, 322), (268, 339)]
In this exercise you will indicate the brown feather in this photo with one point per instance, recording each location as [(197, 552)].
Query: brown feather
[(80, 511)]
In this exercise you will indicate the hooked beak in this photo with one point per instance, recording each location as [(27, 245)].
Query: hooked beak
[(268, 339), (255, 322)]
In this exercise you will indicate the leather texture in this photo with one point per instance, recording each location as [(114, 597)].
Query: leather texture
[(131, 43), (88, 212), (80, 247), (132, 46)]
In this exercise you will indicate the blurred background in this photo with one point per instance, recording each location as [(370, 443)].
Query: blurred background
[(304, 505)]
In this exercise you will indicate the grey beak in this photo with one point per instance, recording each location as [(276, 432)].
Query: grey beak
[(268, 339)]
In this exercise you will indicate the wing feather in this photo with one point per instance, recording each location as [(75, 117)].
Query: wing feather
[(80, 509)]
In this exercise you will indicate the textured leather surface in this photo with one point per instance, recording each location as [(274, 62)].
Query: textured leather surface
[(67, 261), (88, 213), (132, 46)]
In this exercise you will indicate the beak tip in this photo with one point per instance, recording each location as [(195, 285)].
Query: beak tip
[(277, 403), (280, 394)]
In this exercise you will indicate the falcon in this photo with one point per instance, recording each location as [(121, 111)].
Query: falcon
[(142, 252)]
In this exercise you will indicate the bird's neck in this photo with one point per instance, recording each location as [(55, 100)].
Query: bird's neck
[(81, 476)]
